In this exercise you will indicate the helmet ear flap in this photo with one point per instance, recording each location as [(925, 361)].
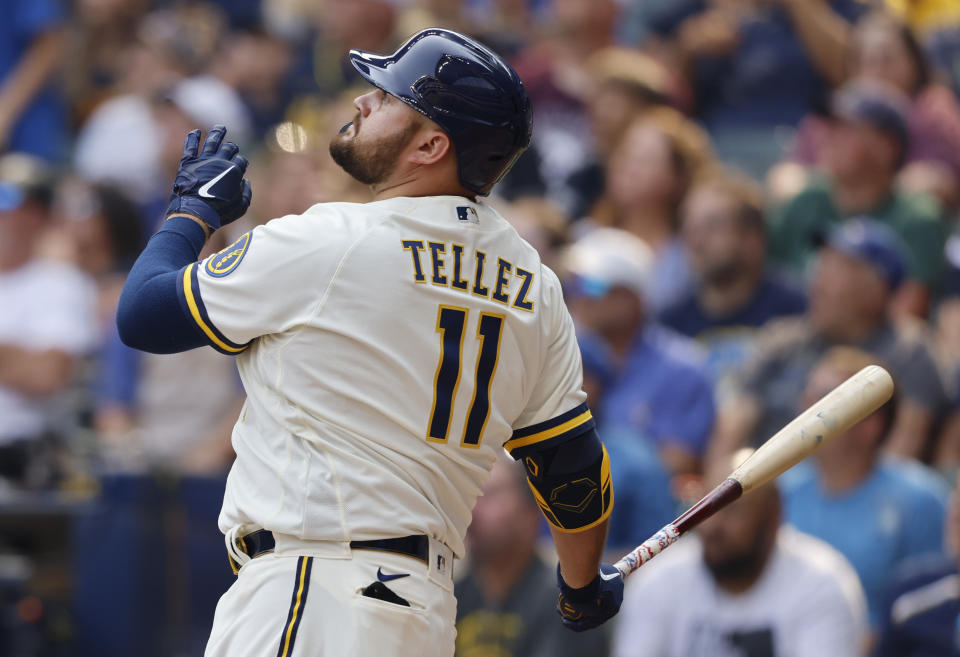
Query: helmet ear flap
[(466, 89)]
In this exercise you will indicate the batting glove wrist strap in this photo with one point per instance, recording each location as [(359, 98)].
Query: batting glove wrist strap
[(592, 605), (210, 183), (195, 207), (583, 594)]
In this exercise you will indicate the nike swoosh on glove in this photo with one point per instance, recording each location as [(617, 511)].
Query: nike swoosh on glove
[(210, 183), (594, 604)]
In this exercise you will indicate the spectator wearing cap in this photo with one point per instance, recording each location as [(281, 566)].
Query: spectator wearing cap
[(854, 283), (865, 145), (48, 322), (735, 291), (658, 388), (886, 50), (877, 512)]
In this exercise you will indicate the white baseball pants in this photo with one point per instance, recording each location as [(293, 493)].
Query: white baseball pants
[(306, 598)]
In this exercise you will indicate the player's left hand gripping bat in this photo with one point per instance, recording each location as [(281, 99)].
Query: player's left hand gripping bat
[(840, 409)]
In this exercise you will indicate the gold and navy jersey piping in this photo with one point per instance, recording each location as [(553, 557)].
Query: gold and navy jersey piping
[(553, 431), (188, 290)]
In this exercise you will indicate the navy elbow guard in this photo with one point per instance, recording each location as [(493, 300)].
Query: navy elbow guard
[(571, 482)]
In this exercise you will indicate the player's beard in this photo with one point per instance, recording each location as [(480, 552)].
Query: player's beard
[(370, 162)]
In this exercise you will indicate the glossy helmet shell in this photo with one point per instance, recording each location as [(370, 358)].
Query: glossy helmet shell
[(466, 89)]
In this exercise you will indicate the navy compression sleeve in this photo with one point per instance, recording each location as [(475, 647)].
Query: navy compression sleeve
[(149, 315)]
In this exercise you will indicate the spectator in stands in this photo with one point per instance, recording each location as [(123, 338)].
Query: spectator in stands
[(877, 512), (32, 117), (505, 603), (555, 74), (156, 100), (99, 34), (886, 50), (864, 147), (756, 67), (745, 585), (101, 229), (736, 292), (658, 158), (920, 616), (644, 491), (659, 388), (855, 279), (624, 84), (47, 325)]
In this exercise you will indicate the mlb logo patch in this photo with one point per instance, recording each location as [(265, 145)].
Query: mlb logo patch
[(466, 213)]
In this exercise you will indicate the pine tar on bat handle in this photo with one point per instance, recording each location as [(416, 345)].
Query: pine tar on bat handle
[(840, 409)]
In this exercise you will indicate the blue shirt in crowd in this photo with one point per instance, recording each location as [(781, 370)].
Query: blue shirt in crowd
[(42, 128), (662, 392), (895, 514), (643, 502), (729, 339)]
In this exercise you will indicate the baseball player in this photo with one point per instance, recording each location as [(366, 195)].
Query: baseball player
[(388, 350)]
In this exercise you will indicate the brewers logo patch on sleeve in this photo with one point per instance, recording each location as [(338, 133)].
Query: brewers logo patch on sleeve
[(225, 261)]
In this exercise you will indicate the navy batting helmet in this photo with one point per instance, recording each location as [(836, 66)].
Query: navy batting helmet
[(466, 89)]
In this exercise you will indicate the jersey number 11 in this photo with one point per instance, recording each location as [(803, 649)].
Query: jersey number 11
[(451, 322)]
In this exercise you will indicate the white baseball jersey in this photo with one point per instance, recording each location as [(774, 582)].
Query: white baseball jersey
[(388, 350)]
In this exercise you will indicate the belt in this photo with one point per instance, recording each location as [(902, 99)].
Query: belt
[(262, 541)]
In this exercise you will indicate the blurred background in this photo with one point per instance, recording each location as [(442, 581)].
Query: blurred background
[(746, 200)]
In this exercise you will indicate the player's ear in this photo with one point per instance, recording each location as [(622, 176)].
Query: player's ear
[(432, 145)]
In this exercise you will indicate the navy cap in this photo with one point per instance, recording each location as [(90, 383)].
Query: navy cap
[(880, 106), (874, 243)]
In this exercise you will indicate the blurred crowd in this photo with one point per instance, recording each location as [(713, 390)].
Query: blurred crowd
[(746, 200)]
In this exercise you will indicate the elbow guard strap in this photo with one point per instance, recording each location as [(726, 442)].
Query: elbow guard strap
[(571, 482)]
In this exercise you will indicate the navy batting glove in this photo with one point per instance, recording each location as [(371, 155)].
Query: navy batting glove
[(210, 183), (594, 604)]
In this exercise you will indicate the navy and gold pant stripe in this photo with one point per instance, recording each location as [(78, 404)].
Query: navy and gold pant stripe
[(188, 289), (550, 432), (297, 602)]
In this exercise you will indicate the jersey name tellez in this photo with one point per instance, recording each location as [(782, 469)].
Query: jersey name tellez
[(451, 265)]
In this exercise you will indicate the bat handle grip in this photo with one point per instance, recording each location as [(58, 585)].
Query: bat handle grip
[(726, 492), (648, 550)]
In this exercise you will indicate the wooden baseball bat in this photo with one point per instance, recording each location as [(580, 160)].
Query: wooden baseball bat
[(840, 409)]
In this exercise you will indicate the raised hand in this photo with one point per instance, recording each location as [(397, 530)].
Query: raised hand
[(210, 183)]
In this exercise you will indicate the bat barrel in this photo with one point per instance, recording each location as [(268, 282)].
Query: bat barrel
[(840, 409), (837, 411)]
